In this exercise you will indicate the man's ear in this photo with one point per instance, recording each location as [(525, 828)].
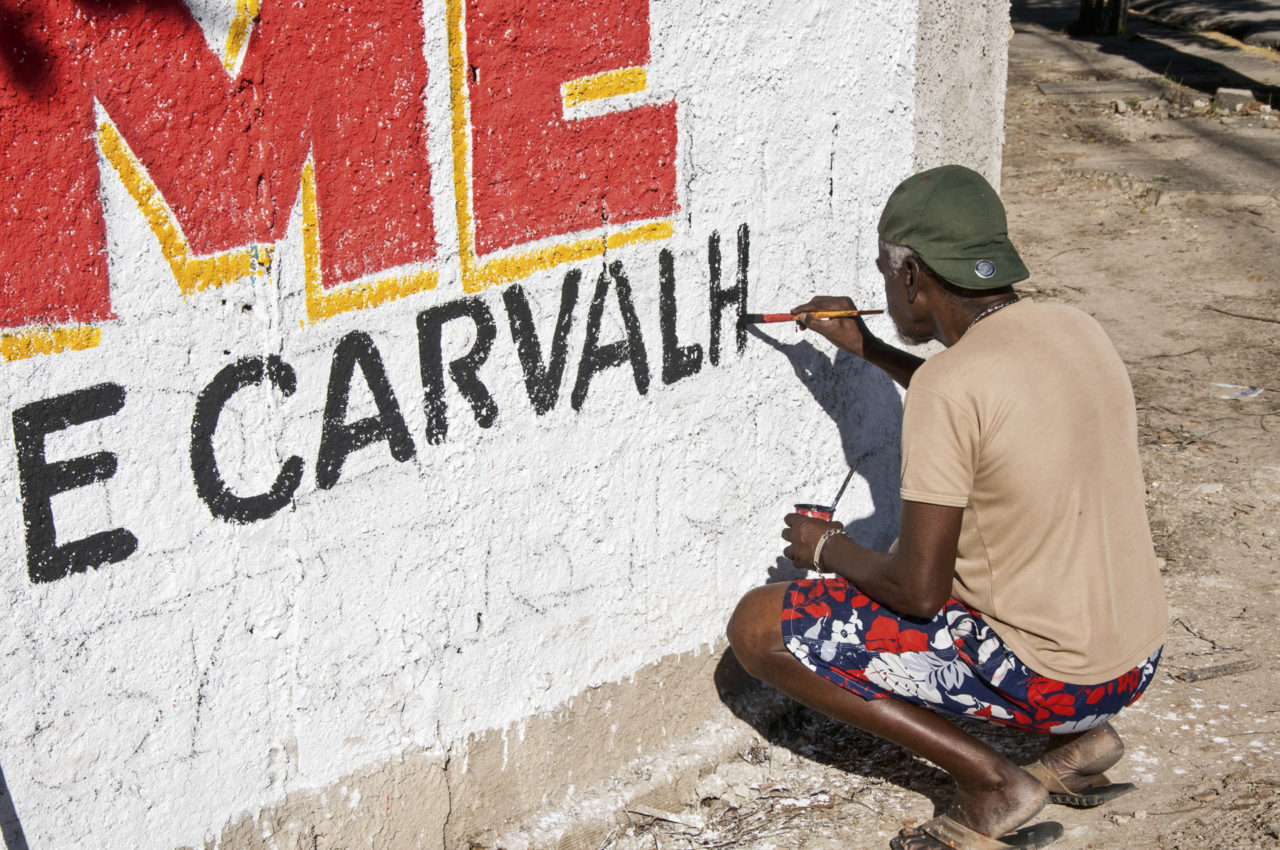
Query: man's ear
[(913, 271)]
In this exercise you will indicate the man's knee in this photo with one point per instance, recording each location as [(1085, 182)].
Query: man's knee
[(755, 628)]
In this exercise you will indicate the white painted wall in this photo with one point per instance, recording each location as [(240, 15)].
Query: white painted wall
[(494, 576)]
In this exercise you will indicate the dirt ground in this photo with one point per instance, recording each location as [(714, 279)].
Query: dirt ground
[(1133, 198)]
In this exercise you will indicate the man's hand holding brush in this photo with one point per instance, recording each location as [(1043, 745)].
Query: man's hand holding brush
[(853, 335)]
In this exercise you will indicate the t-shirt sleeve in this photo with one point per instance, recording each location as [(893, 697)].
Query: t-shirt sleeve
[(939, 449)]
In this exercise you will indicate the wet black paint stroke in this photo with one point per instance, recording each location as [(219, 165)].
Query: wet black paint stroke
[(39, 480), (464, 371), (339, 438), (595, 357), (210, 486), (678, 361), (542, 382), (721, 298)]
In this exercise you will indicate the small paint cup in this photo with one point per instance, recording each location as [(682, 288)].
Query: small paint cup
[(822, 512)]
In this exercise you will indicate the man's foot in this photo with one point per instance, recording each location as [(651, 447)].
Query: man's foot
[(992, 810), (1078, 760), (1072, 769)]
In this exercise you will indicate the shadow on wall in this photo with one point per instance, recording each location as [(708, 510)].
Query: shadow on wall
[(867, 410), (25, 62), (10, 826)]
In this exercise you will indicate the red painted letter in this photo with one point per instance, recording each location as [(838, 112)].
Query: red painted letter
[(534, 173), (341, 82)]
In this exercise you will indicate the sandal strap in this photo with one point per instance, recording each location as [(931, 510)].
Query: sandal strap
[(1047, 778), (952, 833), (1050, 780)]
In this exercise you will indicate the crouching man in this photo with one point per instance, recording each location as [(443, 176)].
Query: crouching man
[(1024, 588)]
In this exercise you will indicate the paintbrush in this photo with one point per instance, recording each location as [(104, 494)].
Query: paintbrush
[(767, 318), (847, 479)]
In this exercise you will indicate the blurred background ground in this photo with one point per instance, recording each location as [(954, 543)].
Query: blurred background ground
[(1135, 196)]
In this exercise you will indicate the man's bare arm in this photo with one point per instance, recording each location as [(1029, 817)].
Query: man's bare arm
[(894, 362)]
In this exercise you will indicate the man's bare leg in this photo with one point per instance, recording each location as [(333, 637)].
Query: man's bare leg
[(994, 795)]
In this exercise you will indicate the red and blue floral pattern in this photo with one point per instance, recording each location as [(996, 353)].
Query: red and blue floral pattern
[(954, 663)]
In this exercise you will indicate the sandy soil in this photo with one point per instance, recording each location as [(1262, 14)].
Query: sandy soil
[(1156, 215)]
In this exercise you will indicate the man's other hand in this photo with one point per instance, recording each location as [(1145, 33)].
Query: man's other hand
[(802, 533)]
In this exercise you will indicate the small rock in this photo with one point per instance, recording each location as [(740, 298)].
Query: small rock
[(1200, 103), (1149, 104), (1119, 106), (1264, 108), (742, 774), (1231, 100), (711, 786), (1240, 775), (1141, 814)]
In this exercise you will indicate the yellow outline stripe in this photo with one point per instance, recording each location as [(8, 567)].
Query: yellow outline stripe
[(193, 274), (238, 35), (506, 269), (324, 305), (476, 274), (37, 341), (599, 86), (1222, 37), (1255, 49)]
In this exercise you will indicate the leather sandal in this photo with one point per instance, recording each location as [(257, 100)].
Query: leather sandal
[(1100, 789), (948, 832)]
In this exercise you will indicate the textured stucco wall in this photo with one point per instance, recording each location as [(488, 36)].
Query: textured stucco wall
[(368, 399), (961, 70)]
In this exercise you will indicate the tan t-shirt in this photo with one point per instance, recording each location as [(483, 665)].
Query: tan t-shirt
[(1028, 423)]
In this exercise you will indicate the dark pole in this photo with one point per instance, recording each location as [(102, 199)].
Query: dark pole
[(10, 826), (1101, 17)]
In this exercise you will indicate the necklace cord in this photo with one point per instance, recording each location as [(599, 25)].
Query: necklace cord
[(992, 309)]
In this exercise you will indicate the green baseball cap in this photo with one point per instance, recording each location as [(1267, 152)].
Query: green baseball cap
[(954, 220)]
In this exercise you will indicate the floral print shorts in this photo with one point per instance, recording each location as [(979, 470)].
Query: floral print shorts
[(954, 663)]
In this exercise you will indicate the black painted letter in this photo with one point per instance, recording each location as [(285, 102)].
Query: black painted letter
[(678, 361), (542, 382), (721, 298), (595, 357), (40, 480), (338, 438), (464, 370), (212, 490)]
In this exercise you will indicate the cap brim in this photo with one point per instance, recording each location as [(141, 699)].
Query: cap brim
[(998, 267)]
